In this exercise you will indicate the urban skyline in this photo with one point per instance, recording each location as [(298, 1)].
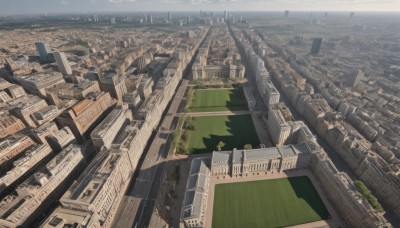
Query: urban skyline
[(200, 119), (73, 6)]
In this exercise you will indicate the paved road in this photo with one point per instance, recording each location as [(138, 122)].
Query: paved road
[(142, 195)]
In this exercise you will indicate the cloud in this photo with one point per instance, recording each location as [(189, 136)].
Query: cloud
[(198, 2), (65, 3), (120, 1)]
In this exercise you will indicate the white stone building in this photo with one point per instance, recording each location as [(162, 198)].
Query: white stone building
[(195, 201), (260, 161)]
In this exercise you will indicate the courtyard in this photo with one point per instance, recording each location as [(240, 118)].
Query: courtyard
[(267, 203), (234, 131), (214, 100)]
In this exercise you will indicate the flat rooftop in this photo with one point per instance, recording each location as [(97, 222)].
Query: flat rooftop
[(92, 181)]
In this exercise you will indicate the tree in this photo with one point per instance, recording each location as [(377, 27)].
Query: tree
[(366, 193), (248, 147), (184, 136), (220, 145)]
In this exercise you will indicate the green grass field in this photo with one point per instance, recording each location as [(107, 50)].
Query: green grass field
[(234, 131), (212, 100), (267, 203)]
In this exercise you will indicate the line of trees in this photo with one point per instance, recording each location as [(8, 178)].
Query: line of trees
[(366, 193)]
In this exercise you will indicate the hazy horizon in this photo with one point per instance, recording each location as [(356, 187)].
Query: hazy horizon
[(87, 6)]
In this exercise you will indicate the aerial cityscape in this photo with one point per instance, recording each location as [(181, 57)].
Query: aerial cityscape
[(215, 118)]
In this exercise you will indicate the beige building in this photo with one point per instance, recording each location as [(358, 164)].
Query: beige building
[(223, 71), (61, 139), (41, 133), (145, 88), (132, 140), (24, 107), (9, 125), (11, 149), (23, 166), (68, 91), (218, 57), (132, 81), (62, 63), (268, 92), (45, 115), (342, 138), (15, 91), (151, 109), (94, 199), (81, 117), (105, 132), (277, 125), (282, 129), (33, 196), (114, 84), (340, 189), (133, 100), (21, 65), (95, 195), (37, 84), (4, 97)]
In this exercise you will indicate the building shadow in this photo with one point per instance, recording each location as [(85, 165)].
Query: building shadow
[(148, 194), (242, 131), (236, 102), (304, 189)]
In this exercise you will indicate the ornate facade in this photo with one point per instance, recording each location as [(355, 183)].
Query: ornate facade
[(257, 161)]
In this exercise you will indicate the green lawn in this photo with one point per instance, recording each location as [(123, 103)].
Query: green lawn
[(267, 203), (212, 100), (234, 131)]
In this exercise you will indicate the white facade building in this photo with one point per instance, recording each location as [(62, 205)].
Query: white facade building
[(195, 201), (257, 161)]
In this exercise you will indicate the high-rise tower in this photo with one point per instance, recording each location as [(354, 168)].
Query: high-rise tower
[(46, 55), (62, 63), (316, 46)]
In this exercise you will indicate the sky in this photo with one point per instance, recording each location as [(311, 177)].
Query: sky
[(8, 7)]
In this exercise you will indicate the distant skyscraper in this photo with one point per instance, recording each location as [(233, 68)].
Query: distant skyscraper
[(112, 20), (355, 77), (62, 63), (316, 46), (212, 14), (225, 15), (46, 55), (181, 23), (149, 18), (286, 13), (169, 17), (201, 13), (188, 20), (351, 14)]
